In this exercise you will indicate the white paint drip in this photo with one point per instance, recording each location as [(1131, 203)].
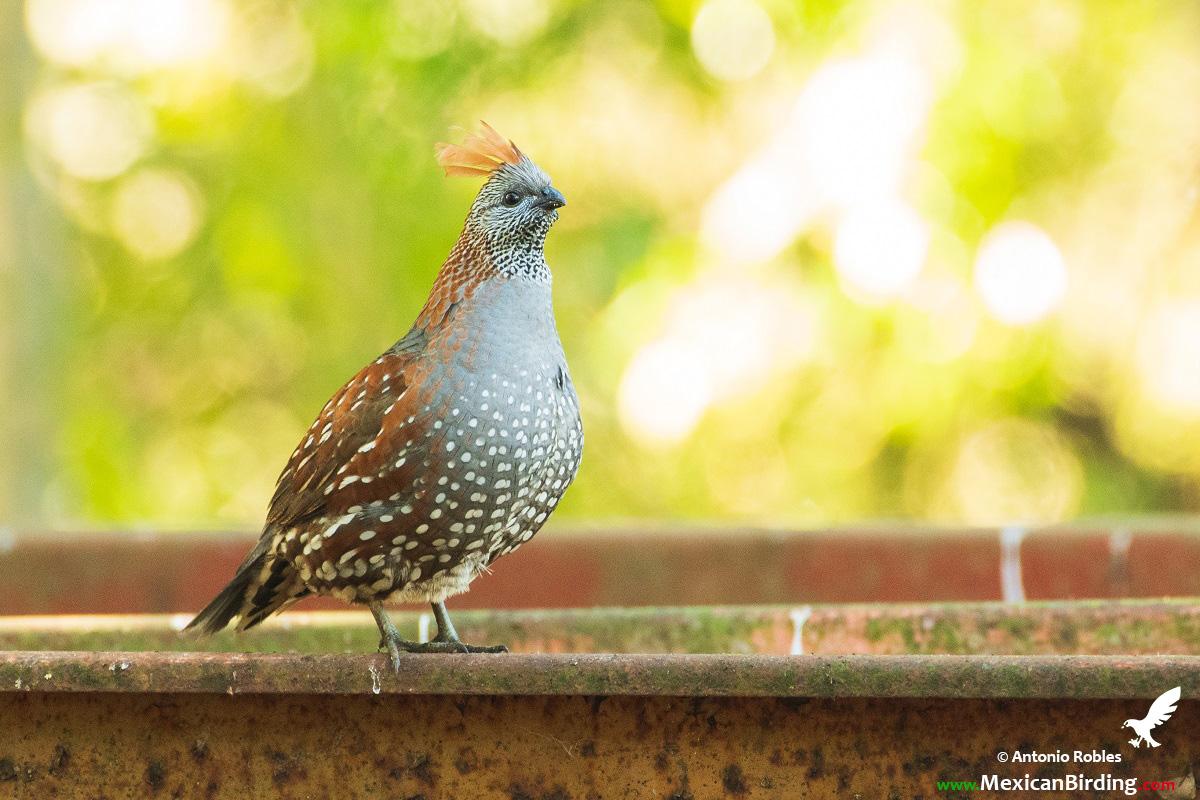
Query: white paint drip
[(374, 679), (1011, 586), (423, 627), (799, 617), (1119, 542)]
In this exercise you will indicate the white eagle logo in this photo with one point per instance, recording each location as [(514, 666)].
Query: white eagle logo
[(1160, 711)]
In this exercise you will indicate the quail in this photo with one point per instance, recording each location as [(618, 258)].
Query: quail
[(449, 450)]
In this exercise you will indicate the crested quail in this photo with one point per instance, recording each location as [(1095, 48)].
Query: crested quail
[(446, 452)]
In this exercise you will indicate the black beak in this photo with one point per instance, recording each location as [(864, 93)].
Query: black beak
[(551, 199)]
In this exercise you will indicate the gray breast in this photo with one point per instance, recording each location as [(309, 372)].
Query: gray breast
[(513, 431)]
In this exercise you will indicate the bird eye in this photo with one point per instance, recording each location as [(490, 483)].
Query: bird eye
[(511, 199)]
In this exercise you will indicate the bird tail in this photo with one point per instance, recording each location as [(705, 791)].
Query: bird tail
[(261, 586)]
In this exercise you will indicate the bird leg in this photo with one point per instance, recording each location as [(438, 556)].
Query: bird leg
[(446, 641), (389, 637), (447, 637)]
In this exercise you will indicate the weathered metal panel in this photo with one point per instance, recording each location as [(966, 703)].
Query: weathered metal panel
[(83, 726), (83, 746)]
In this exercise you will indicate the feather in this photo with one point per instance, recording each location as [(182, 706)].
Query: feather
[(480, 153), (455, 171), (460, 156)]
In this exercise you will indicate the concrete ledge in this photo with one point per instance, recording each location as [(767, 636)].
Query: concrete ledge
[(1127, 627), (1075, 677)]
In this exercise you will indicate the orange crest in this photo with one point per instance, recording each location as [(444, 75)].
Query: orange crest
[(479, 154)]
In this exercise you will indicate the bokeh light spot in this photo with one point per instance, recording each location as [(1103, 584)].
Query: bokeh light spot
[(858, 119), (172, 31), (664, 392), (73, 32), (1168, 356), (1015, 470), (156, 213), (509, 22), (274, 51), (136, 34), (880, 248), (1020, 273), (746, 329), (755, 214), (733, 39), (93, 131)]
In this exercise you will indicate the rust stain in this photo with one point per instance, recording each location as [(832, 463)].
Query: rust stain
[(546, 748)]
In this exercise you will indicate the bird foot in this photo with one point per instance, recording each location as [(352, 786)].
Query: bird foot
[(394, 647), (446, 641), (1136, 742), (446, 646)]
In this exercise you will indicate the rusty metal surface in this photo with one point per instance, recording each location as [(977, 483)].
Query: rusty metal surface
[(627, 675), (333, 721), (1135, 627), (237, 726), (88, 746), (142, 572)]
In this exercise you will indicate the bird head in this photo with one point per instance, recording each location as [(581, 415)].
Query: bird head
[(518, 204), (1128, 724)]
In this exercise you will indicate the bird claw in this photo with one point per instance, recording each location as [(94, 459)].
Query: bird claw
[(393, 652), (1136, 742), (394, 648)]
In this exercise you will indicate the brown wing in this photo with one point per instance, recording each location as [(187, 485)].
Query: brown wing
[(332, 470), (340, 441)]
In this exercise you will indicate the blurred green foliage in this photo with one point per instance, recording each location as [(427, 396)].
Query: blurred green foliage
[(772, 279)]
